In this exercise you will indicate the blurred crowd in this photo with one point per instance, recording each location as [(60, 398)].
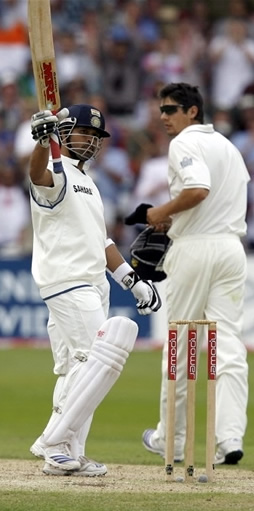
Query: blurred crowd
[(116, 55)]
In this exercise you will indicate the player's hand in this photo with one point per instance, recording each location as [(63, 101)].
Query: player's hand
[(43, 124), (148, 297), (157, 215), (146, 294)]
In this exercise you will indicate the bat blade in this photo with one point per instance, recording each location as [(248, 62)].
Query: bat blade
[(44, 66), (43, 54)]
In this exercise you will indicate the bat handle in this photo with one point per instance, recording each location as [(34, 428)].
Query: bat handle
[(54, 143), (56, 153)]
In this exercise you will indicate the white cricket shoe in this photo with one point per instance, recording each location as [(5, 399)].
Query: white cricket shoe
[(229, 452), (157, 448), (88, 468), (37, 449), (59, 456)]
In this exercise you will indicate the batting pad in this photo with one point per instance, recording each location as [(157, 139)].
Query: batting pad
[(110, 350)]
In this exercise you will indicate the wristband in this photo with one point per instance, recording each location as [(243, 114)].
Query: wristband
[(122, 276), (109, 242)]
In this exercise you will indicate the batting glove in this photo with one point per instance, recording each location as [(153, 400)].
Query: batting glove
[(43, 124), (145, 292)]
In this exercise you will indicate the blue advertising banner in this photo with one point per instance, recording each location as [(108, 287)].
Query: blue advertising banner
[(23, 314)]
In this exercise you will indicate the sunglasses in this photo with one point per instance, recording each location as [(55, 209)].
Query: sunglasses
[(170, 109)]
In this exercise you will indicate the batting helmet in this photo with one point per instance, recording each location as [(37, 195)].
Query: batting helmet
[(147, 252), (86, 116)]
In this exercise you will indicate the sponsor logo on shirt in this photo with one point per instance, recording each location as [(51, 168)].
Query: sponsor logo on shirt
[(83, 189), (186, 162)]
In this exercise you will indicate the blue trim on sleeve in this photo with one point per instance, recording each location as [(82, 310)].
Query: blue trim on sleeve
[(51, 205), (66, 291)]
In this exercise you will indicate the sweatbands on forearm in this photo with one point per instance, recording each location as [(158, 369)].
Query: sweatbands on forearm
[(125, 276), (109, 242)]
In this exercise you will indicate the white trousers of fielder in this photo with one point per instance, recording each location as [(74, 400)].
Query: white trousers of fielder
[(206, 280)]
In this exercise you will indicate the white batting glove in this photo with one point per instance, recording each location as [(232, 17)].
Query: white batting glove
[(44, 123), (146, 294)]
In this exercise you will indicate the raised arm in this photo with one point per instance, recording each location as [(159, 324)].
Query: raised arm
[(39, 173)]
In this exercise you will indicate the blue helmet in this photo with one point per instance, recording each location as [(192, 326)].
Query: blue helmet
[(86, 116), (83, 116)]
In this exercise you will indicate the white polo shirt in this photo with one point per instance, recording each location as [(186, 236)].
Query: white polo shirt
[(69, 232), (200, 157)]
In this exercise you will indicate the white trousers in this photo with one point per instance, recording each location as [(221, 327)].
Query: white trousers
[(74, 319), (205, 280)]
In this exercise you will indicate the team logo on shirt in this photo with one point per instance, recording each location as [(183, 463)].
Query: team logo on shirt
[(83, 189), (186, 162)]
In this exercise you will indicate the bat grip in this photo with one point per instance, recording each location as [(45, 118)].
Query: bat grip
[(56, 153)]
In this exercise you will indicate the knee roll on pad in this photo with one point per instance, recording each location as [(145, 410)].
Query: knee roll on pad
[(95, 377), (114, 341)]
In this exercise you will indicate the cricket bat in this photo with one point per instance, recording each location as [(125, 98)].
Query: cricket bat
[(44, 66)]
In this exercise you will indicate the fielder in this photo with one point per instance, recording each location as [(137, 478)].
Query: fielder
[(206, 265), (71, 253)]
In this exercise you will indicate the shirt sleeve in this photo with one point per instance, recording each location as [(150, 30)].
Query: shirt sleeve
[(50, 195), (187, 164)]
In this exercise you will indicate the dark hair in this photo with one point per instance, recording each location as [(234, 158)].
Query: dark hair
[(186, 95)]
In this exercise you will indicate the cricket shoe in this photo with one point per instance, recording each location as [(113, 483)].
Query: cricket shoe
[(229, 452), (155, 447), (38, 448), (88, 468), (59, 456)]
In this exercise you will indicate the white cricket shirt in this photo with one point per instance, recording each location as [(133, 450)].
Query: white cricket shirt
[(200, 157), (69, 232)]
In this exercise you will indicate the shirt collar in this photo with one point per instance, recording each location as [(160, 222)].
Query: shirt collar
[(75, 163), (204, 128)]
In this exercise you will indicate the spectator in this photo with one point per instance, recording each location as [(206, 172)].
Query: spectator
[(23, 144), (244, 141), (202, 17), (223, 122), (163, 64), (152, 183), (149, 140), (191, 47), (74, 63), (120, 63), (113, 178), (10, 100), (14, 51), (90, 29), (140, 19), (232, 56), (13, 12), (15, 219), (74, 92), (236, 9)]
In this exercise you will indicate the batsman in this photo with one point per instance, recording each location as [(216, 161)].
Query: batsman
[(71, 254)]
